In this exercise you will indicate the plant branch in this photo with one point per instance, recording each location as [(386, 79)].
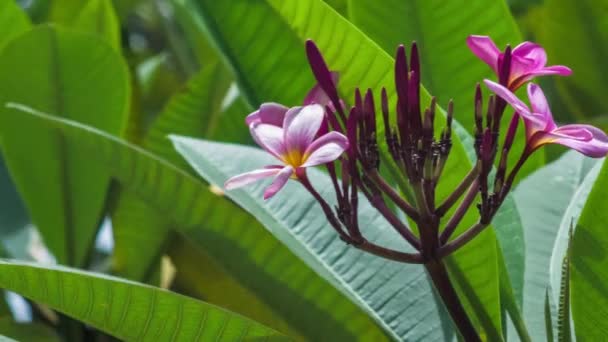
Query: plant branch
[(391, 254), (450, 227), (393, 195), (455, 195), (442, 283), (462, 240), (400, 227)]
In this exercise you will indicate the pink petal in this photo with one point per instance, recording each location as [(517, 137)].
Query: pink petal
[(279, 182), (519, 80), (325, 149), (301, 126), (534, 53), (561, 70), (269, 137), (484, 48), (586, 139), (540, 106), (269, 113), (317, 95), (522, 66), (508, 96), (249, 177), (533, 121), (578, 132)]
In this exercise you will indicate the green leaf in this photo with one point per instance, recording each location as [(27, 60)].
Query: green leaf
[(234, 239), (193, 111), (510, 233), (575, 34), (542, 199), (268, 61), (449, 69), (27, 332), (82, 78), (548, 317), (564, 331), (571, 216), (381, 287), (13, 215), (125, 309), (99, 17), (589, 274), (13, 22)]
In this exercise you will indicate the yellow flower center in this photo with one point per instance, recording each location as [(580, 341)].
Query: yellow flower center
[(294, 158)]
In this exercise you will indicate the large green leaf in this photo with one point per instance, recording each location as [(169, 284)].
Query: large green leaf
[(268, 61), (542, 199), (589, 274), (13, 22), (192, 111), (99, 17), (124, 309), (27, 332), (82, 78), (575, 33), (383, 288), (236, 242)]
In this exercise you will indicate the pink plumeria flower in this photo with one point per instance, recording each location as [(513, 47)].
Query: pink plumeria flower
[(290, 135), (541, 128), (528, 60)]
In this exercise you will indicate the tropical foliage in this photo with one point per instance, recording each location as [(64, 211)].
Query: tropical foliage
[(451, 188)]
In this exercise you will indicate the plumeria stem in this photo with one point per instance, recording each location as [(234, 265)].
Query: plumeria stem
[(509, 183), (462, 240), (393, 195), (400, 227), (326, 209), (450, 227), (462, 187), (391, 254), (441, 280)]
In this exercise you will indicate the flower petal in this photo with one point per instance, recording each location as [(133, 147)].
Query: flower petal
[(596, 147), (301, 126), (249, 177), (561, 70), (325, 149), (318, 95), (508, 96), (269, 137), (534, 54), (484, 48), (518, 81), (279, 182), (269, 113), (540, 106), (534, 122)]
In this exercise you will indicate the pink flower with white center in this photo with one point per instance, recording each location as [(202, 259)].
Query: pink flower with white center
[(290, 135), (528, 60), (541, 128)]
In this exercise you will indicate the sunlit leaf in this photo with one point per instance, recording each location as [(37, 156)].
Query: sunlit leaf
[(232, 237), (124, 309), (82, 78), (542, 200)]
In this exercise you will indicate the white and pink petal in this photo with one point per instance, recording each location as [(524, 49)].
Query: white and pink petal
[(279, 182), (301, 126), (250, 177), (270, 138), (325, 149)]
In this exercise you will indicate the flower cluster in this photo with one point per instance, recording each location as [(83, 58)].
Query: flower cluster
[(345, 139)]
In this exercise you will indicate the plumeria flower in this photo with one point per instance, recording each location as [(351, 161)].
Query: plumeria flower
[(528, 60), (541, 128), (290, 135)]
